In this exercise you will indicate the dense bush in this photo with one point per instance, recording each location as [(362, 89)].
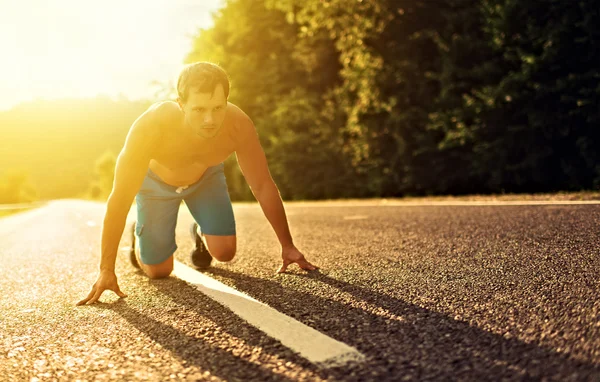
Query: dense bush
[(389, 97)]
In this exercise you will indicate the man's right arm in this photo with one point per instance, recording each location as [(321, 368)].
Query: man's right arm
[(130, 170)]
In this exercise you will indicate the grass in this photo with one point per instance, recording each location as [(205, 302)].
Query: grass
[(4, 213)]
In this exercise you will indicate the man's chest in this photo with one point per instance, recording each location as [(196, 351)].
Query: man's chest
[(179, 153)]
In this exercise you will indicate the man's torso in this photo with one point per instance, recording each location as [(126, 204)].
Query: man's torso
[(180, 158)]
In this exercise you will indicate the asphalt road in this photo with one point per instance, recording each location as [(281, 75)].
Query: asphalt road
[(424, 292)]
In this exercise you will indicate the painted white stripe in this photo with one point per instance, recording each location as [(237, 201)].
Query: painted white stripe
[(308, 342), (356, 217)]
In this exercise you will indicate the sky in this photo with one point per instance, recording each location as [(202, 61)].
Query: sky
[(82, 48)]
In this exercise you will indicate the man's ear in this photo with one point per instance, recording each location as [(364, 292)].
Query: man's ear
[(180, 103)]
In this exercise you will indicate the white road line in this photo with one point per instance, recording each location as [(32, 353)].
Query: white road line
[(308, 342), (356, 217)]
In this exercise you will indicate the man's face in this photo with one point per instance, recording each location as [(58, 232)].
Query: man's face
[(205, 112)]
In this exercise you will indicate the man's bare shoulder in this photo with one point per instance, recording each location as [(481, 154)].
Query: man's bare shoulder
[(243, 128), (159, 115), (164, 111), (171, 106), (148, 129), (237, 113), (239, 120)]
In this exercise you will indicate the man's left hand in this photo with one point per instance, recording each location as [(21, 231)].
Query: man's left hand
[(293, 255)]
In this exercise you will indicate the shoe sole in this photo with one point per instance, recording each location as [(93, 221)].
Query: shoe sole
[(132, 257), (199, 244)]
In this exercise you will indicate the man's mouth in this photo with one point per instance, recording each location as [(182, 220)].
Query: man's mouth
[(210, 130)]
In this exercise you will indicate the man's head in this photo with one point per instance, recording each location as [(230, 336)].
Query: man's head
[(202, 90)]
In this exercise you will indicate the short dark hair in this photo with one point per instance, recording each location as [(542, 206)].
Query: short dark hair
[(203, 77)]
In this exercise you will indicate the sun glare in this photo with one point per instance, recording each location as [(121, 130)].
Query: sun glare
[(81, 48)]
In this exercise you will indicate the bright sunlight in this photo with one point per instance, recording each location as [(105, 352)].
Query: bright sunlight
[(82, 48)]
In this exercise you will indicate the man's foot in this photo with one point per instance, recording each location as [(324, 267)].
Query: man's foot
[(132, 257), (200, 256)]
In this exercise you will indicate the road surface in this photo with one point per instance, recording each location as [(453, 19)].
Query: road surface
[(423, 292)]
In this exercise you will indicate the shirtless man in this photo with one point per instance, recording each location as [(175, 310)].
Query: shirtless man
[(175, 151)]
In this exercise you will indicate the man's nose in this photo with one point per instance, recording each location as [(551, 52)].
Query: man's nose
[(208, 117)]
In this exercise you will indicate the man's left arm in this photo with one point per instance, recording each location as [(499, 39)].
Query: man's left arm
[(253, 163)]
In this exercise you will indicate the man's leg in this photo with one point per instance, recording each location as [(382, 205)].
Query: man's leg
[(154, 271), (210, 205), (221, 248), (155, 233)]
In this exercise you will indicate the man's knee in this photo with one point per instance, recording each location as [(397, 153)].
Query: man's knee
[(225, 254), (222, 248), (159, 271)]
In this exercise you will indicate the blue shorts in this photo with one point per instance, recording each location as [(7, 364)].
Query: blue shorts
[(158, 205)]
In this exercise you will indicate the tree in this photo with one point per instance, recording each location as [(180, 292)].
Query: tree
[(101, 186), (531, 120), (281, 90), (15, 188)]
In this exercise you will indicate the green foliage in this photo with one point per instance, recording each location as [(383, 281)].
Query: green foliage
[(372, 98), (306, 156), (280, 81), (15, 188), (104, 171), (395, 64), (465, 95), (529, 117), (58, 142)]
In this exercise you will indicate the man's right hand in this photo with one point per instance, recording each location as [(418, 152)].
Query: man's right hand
[(106, 280)]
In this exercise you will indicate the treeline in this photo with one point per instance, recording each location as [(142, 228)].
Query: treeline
[(394, 97), (363, 99), (15, 187), (62, 148)]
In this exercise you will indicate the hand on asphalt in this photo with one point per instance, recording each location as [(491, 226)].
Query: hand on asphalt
[(107, 280), (293, 255)]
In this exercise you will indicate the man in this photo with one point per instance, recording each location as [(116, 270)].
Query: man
[(175, 151)]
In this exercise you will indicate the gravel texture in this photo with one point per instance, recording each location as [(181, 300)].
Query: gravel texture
[(425, 292)]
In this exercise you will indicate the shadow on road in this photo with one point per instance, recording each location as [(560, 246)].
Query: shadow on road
[(199, 348), (423, 345)]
